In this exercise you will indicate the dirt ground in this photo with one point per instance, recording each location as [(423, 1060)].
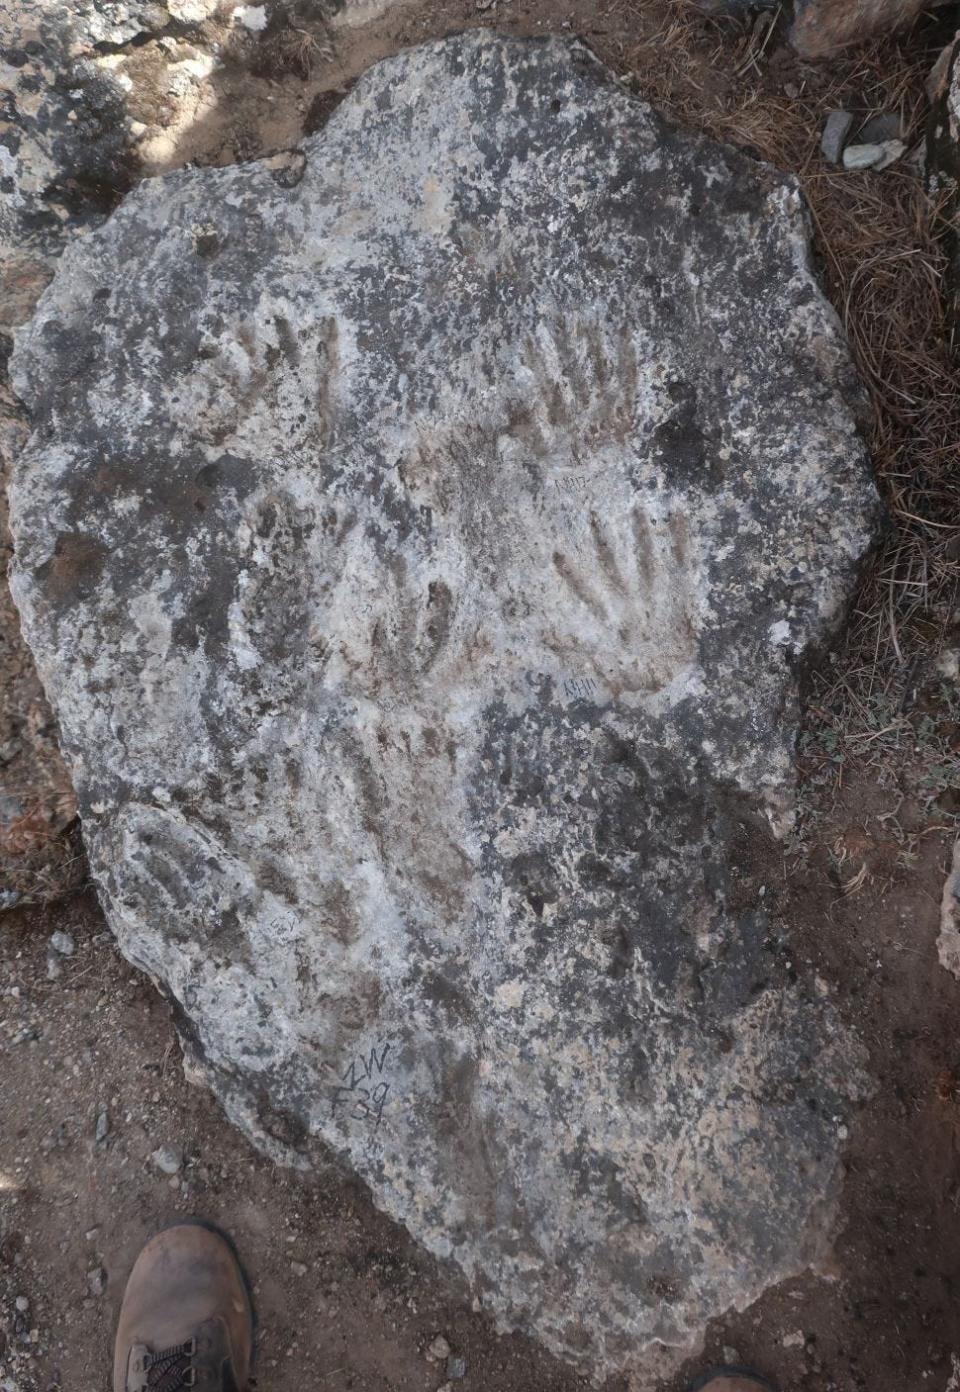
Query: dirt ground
[(345, 1300)]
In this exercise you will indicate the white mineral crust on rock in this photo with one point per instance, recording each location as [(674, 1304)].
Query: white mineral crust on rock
[(419, 541)]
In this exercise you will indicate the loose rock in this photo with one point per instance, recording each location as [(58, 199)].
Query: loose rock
[(63, 943), (879, 129), (948, 941), (823, 28), (444, 523), (835, 131), (103, 1127), (943, 151), (167, 1160), (97, 1280), (938, 79), (439, 1350), (873, 156)]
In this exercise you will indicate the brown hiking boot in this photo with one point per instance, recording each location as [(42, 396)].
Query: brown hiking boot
[(731, 1380), (186, 1319)]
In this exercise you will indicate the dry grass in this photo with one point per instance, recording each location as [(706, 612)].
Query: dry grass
[(878, 699)]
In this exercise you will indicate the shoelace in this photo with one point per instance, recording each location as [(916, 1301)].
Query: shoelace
[(171, 1369)]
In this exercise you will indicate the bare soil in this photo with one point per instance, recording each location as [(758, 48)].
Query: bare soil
[(362, 1314), (345, 1300)]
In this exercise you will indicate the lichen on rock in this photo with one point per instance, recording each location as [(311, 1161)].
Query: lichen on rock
[(420, 542)]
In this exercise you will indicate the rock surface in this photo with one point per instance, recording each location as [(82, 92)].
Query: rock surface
[(948, 941), (96, 93), (943, 164), (419, 543), (824, 28), (877, 156), (835, 132)]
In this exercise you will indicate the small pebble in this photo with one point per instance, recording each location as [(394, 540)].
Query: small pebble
[(877, 156), (103, 1127), (97, 1280), (880, 129), (22, 1304), (167, 1159), (298, 1268), (439, 1350), (794, 1340), (835, 132), (54, 969), (456, 1367), (62, 943)]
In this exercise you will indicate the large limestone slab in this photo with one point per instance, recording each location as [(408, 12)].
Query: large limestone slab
[(419, 540)]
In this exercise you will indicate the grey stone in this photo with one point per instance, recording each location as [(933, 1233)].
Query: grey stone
[(97, 1280), (938, 78), (877, 156), (62, 943), (880, 128), (103, 1126), (943, 168), (65, 141), (893, 150), (836, 128), (167, 1160), (420, 552), (948, 941), (438, 1350), (456, 1367)]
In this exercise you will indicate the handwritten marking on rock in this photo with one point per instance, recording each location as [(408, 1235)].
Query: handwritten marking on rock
[(359, 1097)]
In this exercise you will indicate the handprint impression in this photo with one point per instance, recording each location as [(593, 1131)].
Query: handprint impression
[(628, 601), (596, 583)]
